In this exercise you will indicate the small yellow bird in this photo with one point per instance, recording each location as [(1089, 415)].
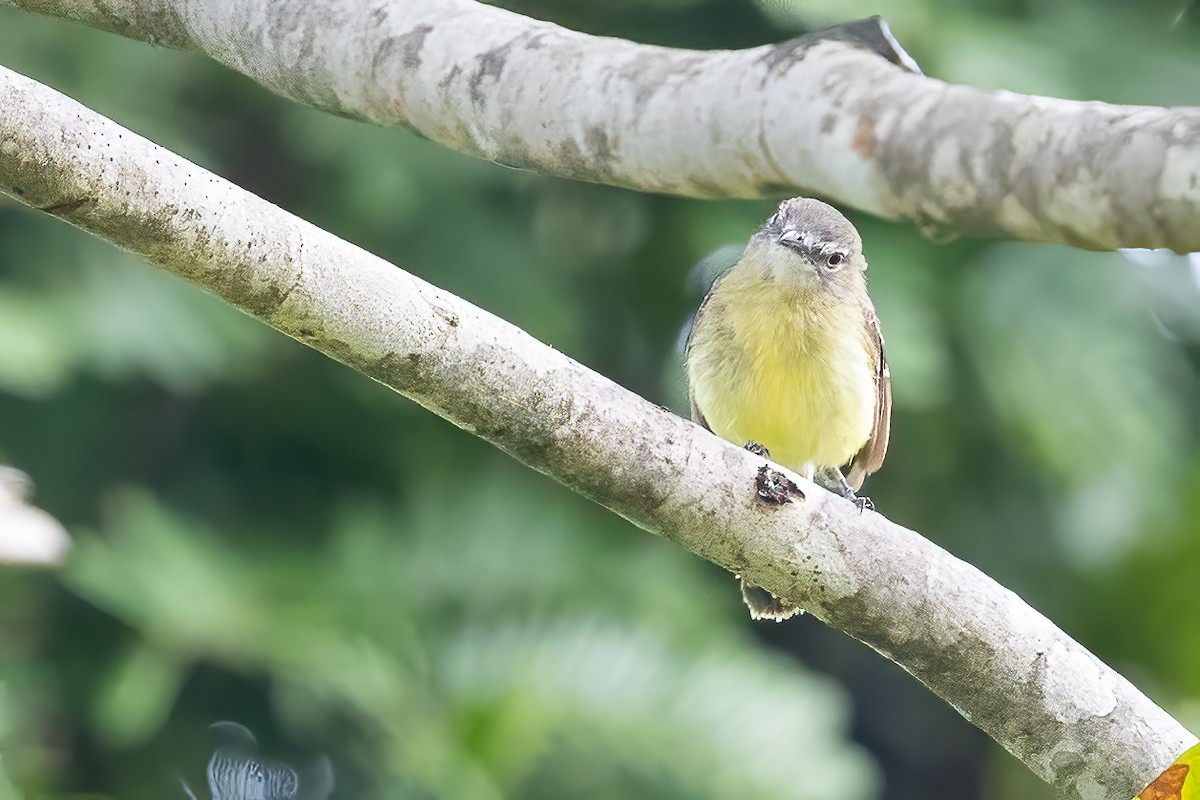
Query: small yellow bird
[(786, 353)]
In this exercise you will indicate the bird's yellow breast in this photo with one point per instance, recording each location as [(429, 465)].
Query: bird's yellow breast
[(785, 367)]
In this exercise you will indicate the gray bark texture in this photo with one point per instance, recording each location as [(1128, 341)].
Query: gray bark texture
[(841, 116), (1008, 669)]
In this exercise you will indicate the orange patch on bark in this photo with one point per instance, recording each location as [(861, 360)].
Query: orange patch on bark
[(1168, 786), (864, 136)]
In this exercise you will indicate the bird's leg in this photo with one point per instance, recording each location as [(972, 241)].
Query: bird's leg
[(832, 479)]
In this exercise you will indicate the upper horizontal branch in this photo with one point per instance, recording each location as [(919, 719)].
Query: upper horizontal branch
[(1004, 666), (812, 116)]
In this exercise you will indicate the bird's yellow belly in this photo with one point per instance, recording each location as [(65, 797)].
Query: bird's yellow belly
[(806, 423), (806, 395)]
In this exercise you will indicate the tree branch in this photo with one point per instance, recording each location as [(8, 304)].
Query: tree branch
[(1041, 695), (825, 116)]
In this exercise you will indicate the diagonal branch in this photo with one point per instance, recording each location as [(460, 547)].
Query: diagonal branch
[(1008, 669), (825, 116)]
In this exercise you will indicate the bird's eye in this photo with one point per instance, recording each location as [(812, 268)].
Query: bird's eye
[(834, 260)]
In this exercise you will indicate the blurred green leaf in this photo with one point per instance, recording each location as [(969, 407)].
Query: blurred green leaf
[(498, 690), (1067, 347), (137, 696), (35, 356), (719, 722), (7, 790)]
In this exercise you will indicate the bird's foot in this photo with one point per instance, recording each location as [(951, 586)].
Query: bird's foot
[(833, 480)]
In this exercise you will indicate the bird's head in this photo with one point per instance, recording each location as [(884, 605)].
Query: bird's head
[(810, 244)]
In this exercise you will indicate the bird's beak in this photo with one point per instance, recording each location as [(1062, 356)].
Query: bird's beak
[(790, 238), (794, 240)]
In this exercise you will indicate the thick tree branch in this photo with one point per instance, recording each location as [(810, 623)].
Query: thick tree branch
[(1009, 670), (811, 116)]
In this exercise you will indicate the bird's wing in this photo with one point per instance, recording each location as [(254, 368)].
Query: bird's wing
[(697, 414), (870, 456)]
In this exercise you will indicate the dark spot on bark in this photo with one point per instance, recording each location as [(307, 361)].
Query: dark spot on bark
[(68, 207), (567, 159), (1066, 766), (649, 497), (774, 488), (454, 72), (783, 55), (237, 285), (283, 298), (736, 559), (401, 372), (601, 147), (985, 162), (491, 65), (383, 55), (648, 73), (698, 187), (409, 46), (570, 160), (150, 236)]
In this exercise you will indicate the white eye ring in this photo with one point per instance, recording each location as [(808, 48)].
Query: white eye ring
[(834, 261)]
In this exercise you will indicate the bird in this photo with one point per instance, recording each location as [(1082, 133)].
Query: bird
[(785, 357)]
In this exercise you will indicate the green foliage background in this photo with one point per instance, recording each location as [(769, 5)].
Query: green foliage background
[(264, 536)]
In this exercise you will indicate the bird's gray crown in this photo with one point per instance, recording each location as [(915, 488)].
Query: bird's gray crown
[(812, 224)]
